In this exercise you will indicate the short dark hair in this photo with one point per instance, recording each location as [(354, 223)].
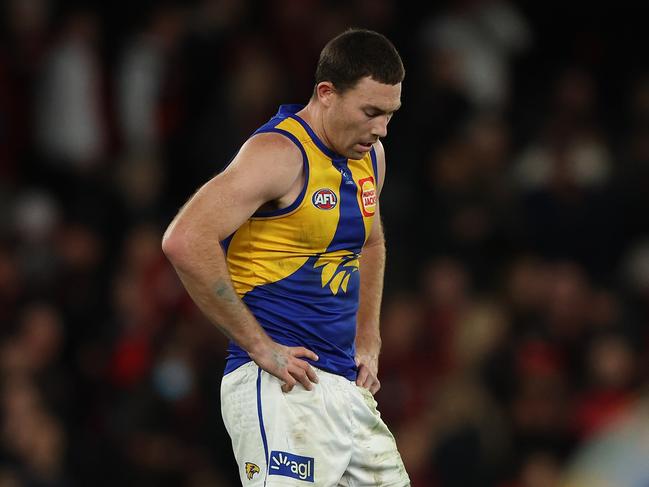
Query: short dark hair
[(355, 54)]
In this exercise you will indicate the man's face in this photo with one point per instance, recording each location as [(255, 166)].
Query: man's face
[(358, 117)]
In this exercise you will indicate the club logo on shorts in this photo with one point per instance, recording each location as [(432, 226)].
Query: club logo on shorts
[(368, 195), (324, 199), (289, 465), (251, 470)]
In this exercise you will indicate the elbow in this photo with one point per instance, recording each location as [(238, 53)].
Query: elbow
[(174, 246), (186, 245)]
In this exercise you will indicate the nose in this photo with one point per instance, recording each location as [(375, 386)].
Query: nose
[(380, 127)]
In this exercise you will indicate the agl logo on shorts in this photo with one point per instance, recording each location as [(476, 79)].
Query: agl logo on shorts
[(324, 199), (289, 465)]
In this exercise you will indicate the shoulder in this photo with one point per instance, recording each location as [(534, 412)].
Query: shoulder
[(271, 146), (379, 150), (268, 164), (266, 151)]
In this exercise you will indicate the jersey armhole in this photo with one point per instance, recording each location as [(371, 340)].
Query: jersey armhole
[(375, 166), (305, 163)]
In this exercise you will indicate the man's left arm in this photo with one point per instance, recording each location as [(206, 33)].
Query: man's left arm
[(371, 268)]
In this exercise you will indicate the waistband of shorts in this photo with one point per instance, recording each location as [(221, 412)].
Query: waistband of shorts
[(324, 377), (331, 378)]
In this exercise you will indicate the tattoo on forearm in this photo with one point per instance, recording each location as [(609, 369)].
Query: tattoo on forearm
[(224, 291)]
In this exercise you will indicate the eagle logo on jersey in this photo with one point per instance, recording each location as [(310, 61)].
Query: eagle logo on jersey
[(251, 470), (324, 199), (337, 268)]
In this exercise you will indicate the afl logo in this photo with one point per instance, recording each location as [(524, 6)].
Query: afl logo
[(324, 199)]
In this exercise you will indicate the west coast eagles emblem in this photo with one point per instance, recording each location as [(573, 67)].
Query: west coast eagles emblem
[(251, 470)]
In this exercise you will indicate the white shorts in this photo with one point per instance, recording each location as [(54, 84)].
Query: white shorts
[(330, 436)]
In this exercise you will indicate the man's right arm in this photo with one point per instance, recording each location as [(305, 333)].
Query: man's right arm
[(265, 169)]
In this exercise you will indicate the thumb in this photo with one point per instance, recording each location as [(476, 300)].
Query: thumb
[(358, 361)]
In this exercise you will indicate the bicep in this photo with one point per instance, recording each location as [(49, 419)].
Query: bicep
[(380, 166), (376, 234), (264, 169)]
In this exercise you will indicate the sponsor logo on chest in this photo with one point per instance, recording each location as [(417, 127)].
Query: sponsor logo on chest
[(368, 196)]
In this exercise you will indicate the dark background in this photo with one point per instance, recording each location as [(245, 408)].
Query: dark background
[(517, 289)]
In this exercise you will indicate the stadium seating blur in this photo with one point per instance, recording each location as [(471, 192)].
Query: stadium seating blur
[(515, 207)]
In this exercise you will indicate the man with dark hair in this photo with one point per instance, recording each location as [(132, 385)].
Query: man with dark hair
[(296, 281)]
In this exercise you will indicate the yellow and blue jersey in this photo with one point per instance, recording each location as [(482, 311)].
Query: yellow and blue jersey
[(296, 268)]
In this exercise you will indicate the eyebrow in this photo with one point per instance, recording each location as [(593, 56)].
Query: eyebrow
[(380, 110)]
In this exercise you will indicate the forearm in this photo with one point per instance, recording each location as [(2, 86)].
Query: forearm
[(371, 268), (208, 283)]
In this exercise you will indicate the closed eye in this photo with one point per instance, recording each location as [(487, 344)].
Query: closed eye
[(372, 112)]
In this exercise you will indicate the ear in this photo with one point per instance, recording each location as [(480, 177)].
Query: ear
[(326, 92)]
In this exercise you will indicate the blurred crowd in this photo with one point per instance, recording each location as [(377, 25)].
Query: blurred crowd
[(517, 289)]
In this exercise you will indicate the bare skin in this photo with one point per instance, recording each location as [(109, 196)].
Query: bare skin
[(368, 336), (268, 171)]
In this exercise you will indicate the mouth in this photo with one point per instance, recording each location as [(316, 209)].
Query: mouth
[(365, 146)]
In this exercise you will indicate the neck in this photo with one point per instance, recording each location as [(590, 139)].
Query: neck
[(313, 114)]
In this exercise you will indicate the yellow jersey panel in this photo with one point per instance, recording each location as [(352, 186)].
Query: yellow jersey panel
[(297, 268)]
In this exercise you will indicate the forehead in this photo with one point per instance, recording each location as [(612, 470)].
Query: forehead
[(370, 92)]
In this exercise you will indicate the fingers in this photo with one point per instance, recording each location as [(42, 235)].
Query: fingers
[(305, 378), (300, 371), (311, 374), (287, 364), (304, 352), (367, 380), (304, 374), (361, 378)]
